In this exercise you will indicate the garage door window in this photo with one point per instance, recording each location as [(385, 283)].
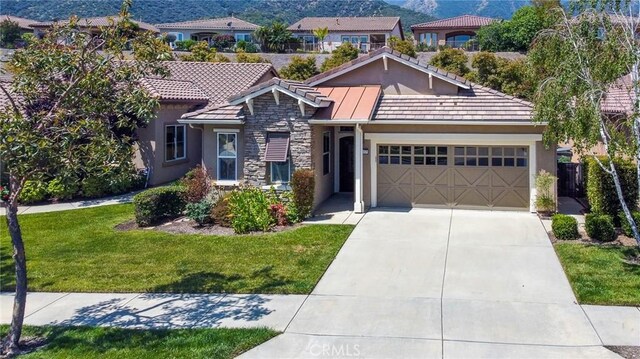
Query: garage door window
[(413, 155), (471, 156), (509, 156)]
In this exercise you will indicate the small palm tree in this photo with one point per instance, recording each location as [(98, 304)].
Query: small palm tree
[(321, 33)]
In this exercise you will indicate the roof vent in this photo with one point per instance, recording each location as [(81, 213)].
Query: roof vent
[(229, 24), (337, 21), (299, 26)]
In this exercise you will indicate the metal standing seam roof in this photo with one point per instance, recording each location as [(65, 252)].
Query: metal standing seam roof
[(349, 103), (97, 22), (458, 22), (225, 23), (22, 22), (372, 23)]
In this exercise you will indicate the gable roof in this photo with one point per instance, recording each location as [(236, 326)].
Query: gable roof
[(225, 23), (299, 90), (372, 23), (394, 55), (22, 22), (172, 89), (458, 22), (94, 22)]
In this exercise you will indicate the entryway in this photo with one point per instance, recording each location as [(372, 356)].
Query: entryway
[(346, 164)]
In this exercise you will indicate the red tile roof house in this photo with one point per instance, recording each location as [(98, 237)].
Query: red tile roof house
[(206, 29), (24, 24), (386, 127), (453, 32), (366, 33), (92, 25)]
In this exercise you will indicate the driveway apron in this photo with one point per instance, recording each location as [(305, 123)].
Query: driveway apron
[(436, 283)]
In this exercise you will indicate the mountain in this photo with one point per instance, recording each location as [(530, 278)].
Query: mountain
[(260, 12), (502, 9)]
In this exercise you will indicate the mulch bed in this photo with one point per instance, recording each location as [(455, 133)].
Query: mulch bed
[(625, 351), (184, 225)]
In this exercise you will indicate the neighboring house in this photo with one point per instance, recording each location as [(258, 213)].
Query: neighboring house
[(168, 149), (93, 25), (456, 32), (26, 25), (366, 33), (206, 29), (394, 131)]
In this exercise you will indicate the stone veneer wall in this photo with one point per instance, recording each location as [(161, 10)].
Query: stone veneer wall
[(271, 117)]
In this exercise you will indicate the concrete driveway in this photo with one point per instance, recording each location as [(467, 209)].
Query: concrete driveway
[(441, 284)]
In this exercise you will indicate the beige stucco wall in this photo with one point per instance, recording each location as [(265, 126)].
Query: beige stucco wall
[(399, 79), (210, 148), (150, 150), (324, 183)]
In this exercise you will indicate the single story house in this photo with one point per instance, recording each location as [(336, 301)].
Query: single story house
[(25, 25), (205, 29), (92, 25), (167, 148), (366, 33), (392, 130), (455, 32)]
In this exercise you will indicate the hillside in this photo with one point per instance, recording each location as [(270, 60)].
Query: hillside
[(260, 12), (502, 9)]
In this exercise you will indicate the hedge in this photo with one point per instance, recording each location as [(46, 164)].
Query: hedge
[(624, 224), (564, 227), (303, 187), (157, 204), (601, 191), (600, 227)]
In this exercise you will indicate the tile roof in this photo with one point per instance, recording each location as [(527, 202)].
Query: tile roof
[(619, 98), (373, 23), (458, 22), (224, 112), (225, 23), (218, 81), (171, 89), (386, 50), (299, 88), (349, 103), (22, 22), (475, 104), (98, 22)]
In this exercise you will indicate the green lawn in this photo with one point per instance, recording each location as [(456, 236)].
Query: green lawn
[(85, 342), (79, 250), (599, 274)]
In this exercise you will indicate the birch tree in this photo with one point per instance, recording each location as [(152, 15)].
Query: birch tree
[(582, 61), (74, 105)]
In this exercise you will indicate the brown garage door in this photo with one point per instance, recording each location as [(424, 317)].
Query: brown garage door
[(494, 177)]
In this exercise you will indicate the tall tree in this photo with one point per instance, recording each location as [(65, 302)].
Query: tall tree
[(581, 60), (74, 106), (300, 68), (321, 33)]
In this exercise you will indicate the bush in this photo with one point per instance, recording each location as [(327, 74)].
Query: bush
[(185, 45), (123, 182), (157, 204), (600, 227), (247, 58), (197, 184), (223, 41), (601, 192), (33, 191), (250, 210), (221, 212), (544, 183), (624, 224), (59, 190), (200, 212), (94, 187), (300, 68), (279, 214), (402, 46), (452, 60), (342, 54), (303, 188), (564, 227)]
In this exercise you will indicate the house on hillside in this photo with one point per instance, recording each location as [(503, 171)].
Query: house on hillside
[(206, 29), (93, 25), (25, 25), (391, 130), (365, 33), (455, 32)]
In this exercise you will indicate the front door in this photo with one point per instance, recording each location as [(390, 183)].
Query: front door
[(346, 164)]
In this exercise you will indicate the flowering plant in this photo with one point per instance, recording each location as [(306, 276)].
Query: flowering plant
[(4, 193)]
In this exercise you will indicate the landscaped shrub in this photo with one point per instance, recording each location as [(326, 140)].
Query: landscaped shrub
[(200, 212), (601, 191), (564, 227), (221, 212), (94, 186), (223, 41), (250, 210), (303, 188), (157, 204), (544, 183), (197, 184), (59, 190), (33, 191), (624, 224), (124, 182), (279, 214), (185, 45), (600, 227)]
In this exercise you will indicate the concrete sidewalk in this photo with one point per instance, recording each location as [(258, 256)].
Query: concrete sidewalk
[(156, 310), (64, 206)]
